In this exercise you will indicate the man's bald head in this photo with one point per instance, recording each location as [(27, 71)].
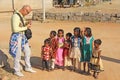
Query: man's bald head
[(26, 9)]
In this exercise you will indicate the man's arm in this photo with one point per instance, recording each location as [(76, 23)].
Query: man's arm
[(15, 23)]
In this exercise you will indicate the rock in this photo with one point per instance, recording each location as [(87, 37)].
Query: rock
[(92, 14), (86, 14), (3, 59), (113, 19), (118, 15), (78, 14), (113, 15), (106, 18)]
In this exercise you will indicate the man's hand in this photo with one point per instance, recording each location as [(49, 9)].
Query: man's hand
[(28, 25)]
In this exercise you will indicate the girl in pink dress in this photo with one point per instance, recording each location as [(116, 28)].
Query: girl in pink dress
[(59, 55)]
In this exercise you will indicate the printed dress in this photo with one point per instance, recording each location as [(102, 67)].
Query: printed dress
[(94, 65), (87, 49), (75, 52), (54, 46), (46, 57), (46, 53), (59, 55)]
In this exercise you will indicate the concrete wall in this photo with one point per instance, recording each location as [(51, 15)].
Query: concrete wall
[(6, 5)]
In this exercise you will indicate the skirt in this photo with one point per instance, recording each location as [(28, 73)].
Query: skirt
[(75, 53), (96, 66)]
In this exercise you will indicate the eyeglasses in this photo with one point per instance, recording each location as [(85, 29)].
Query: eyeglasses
[(27, 11)]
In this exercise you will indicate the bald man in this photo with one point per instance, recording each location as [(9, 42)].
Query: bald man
[(18, 40)]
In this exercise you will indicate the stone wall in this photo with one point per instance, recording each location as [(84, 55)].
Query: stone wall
[(79, 16)]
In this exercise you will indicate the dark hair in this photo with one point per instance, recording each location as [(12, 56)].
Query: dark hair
[(53, 32), (98, 41), (77, 29), (69, 42), (89, 31), (61, 31), (46, 41), (69, 34)]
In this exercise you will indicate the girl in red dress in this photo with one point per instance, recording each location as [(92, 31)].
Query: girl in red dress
[(54, 46), (66, 51)]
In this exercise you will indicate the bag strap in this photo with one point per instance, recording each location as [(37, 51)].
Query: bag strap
[(21, 19)]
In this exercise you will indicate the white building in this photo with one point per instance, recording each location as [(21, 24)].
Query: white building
[(6, 5)]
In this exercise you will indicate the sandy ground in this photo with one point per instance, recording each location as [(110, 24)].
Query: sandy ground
[(107, 32)]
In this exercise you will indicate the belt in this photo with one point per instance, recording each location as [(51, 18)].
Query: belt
[(18, 33), (94, 57)]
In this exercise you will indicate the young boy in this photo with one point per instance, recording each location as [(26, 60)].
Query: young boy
[(46, 55)]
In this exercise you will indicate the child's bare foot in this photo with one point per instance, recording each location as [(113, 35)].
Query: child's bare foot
[(84, 71), (48, 70), (88, 73), (43, 69), (95, 76), (64, 69)]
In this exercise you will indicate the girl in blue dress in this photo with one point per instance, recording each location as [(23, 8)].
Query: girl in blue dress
[(76, 48)]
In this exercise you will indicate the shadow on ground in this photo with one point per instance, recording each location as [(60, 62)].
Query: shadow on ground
[(4, 62), (111, 59), (36, 62)]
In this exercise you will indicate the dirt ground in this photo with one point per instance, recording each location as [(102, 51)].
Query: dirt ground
[(107, 32)]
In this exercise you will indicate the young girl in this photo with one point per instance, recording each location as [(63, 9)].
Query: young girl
[(54, 46), (66, 51), (76, 48), (46, 52), (59, 55), (87, 43), (95, 62)]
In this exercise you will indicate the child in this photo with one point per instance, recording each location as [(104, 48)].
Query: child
[(87, 48), (59, 55), (71, 3), (76, 48), (54, 46), (66, 51), (46, 51), (95, 62)]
